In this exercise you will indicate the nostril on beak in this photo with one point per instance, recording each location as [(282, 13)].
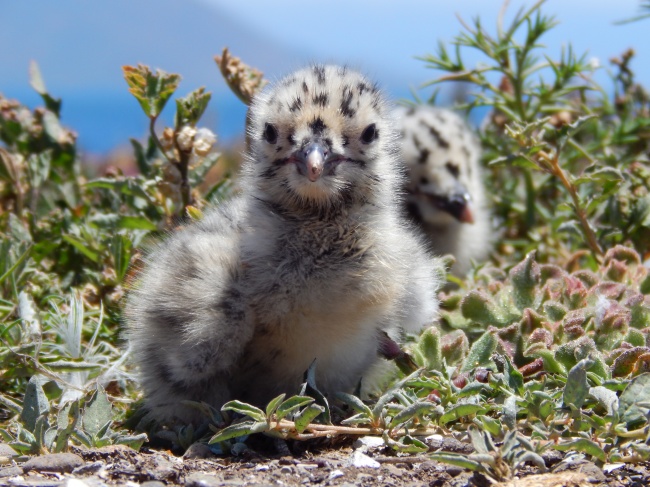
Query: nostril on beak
[(312, 161)]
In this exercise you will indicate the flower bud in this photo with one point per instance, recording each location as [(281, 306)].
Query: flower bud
[(204, 139), (185, 138)]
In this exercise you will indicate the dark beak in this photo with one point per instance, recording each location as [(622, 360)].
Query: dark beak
[(459, 206), (458, 203), (311, 160)]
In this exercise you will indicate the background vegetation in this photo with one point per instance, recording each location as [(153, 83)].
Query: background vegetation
[(546, 346)]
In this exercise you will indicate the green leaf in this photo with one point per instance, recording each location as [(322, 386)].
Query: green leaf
[(406, 444), (606, 398), (18, 229), (514, 378), (637, 391), (36, 80), (81, 246), (121, 247), (480, 354), (246, 409), (291, 405), (510, 412), (306, 416), (97, 413), (16, 264), (460, 411), (151, 90), (481, 441), (239, 429), (144, 158), (273, 405), (190, 108), (457, 460), (583, 445), (136, 223), (35, 403), (525, 276), (416, 409), (39, 168), (551, 364), (490, 425), (355, 403), (477, 306), (309, 388), (430, 348), (577, 388), (132, 441), (71, 366)]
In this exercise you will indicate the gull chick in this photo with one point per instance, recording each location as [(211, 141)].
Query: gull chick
[(313, 261), (445, 190)]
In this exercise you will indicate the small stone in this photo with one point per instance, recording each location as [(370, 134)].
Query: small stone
[(368, 442), (286, 470), (152, 483), (75, 483), (589, 469), (335, 474), (359, 460), (10, 472), (363, 478), (261, 468), (198, 451), (54, 462), (95, 481), (197, 479), (7, 451), (89, 468), (40, 482), (393, 470), (610, 467)]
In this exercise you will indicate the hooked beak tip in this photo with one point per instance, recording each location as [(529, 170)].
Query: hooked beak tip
[(311, 161), (466, 215)]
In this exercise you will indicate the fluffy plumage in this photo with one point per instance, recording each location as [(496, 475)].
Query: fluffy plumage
[(311, 262), (446, 195)]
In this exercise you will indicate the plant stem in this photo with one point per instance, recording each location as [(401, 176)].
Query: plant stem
[(183, 167), (557, 171), (324, 430)]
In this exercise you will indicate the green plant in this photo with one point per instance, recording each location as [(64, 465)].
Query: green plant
[(67, 246), (577, 163)]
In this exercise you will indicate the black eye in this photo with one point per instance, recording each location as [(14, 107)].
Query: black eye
[(270, 133), (369, 134)]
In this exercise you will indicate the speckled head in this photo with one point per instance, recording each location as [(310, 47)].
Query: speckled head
[(319, 136), (441, 154)]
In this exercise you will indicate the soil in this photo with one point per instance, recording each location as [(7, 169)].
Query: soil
[(199, 467)]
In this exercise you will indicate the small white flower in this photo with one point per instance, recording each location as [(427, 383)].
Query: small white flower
[(185, 138), (203, 141), (594, 63)]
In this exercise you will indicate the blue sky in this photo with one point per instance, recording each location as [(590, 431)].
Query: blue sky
[(80, 47)]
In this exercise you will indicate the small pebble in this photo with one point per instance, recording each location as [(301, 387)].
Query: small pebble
[(358, 459), (54, 462), (10, 472), (335, 474), (369, 442), (89, 468), (75, 483)]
